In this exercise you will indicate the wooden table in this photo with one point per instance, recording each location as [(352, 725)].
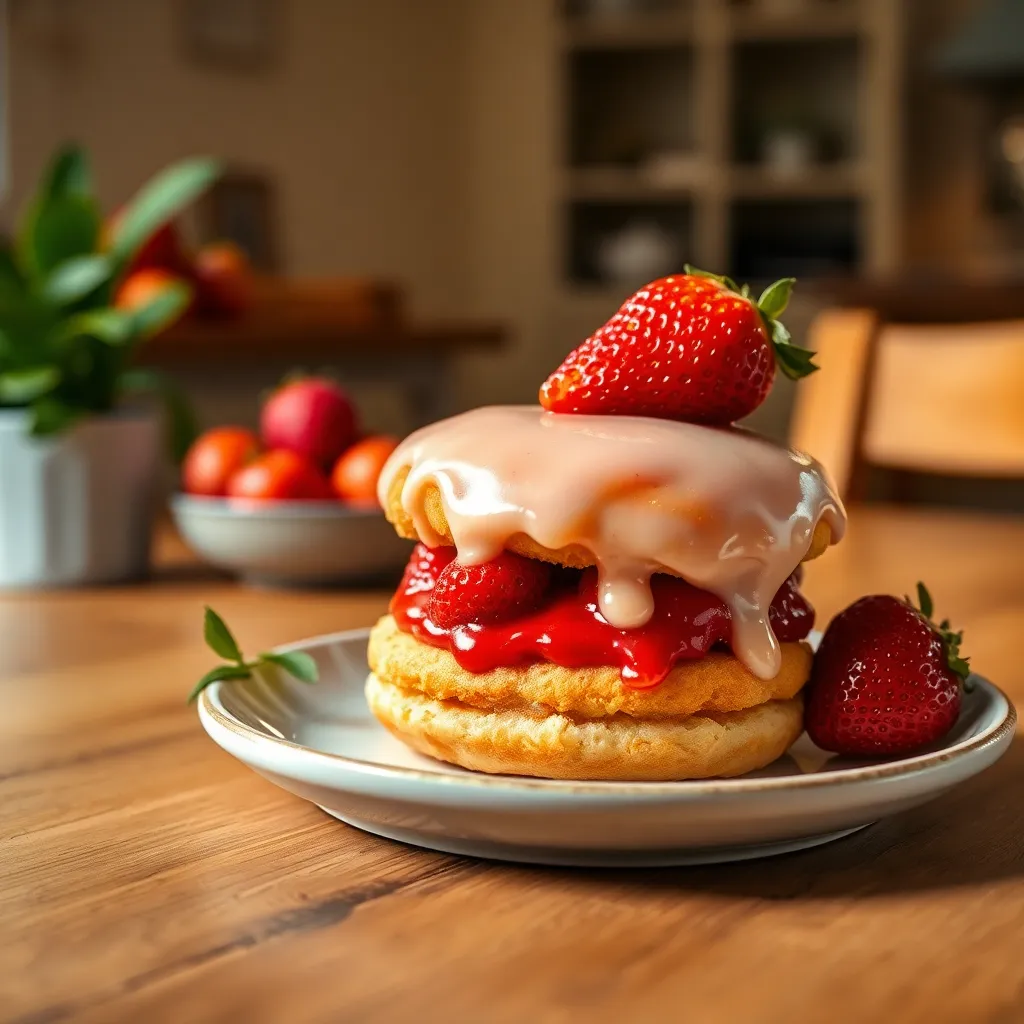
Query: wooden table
[(146, 876)]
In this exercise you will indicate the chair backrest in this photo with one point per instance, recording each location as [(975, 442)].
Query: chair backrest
[(931, 398)]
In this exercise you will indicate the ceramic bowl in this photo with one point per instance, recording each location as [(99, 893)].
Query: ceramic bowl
[(291, 543)]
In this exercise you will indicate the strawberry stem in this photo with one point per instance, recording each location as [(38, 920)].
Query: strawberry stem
[(951, 640), (793, 361)]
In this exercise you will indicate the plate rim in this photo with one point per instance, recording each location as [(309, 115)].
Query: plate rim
[(213, 713)]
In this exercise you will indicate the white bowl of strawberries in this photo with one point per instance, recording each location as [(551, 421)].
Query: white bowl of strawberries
[(295, 505)]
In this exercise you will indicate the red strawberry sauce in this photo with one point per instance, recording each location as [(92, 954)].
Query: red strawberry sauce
[(568, 630)]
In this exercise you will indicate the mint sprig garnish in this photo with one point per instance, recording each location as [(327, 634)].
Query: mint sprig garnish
[(950, 640), (221, 641), (793, 361)]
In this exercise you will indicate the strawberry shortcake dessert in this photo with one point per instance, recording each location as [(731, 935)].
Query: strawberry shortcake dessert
[(607, 585)]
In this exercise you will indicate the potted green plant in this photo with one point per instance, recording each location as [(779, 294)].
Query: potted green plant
[(79, 451)]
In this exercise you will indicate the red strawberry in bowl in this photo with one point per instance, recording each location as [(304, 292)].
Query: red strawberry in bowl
[(886, 679), (494, 591), (693, 347)]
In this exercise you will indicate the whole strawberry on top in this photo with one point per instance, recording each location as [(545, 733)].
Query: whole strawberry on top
[(693, 347), (886, 679)]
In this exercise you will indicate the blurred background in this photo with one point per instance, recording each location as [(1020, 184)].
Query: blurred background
[(440, 198), (519, 167)]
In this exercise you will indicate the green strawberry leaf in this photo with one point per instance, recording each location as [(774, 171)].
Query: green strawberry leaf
[(925, 602), (219, 674), (951, 640), (296, 663), (720, 278), (793, 361), (775, 298), (219, 638)]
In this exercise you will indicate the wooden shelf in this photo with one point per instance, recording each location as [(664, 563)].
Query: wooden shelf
[(828, 181), (633, 33), (314, 321), (625, 186), (758, 26)]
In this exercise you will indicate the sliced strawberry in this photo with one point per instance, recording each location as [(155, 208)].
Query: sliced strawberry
[(886, 679), (691, 347), (425, 566), (790, 614), (503, 588)]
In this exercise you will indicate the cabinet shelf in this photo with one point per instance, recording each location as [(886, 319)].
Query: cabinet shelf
[(626, 185), (628, 33), (828, 181), (752, 25)]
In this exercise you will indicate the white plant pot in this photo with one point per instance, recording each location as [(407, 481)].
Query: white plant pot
[(77, 508)]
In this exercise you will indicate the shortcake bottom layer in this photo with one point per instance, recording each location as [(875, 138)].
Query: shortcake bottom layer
[(618, 747)]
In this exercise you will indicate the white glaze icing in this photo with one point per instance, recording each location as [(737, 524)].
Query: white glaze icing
[(725, 509)]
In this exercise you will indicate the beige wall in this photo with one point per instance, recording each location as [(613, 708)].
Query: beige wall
[(360, 122)]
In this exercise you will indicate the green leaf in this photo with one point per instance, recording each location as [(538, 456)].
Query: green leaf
[(55, 229), (162, 310), (22, 387), (68, 173), (217, 675), (51, 416), (924, 600), (158, 202), (720, 278), (775, 298), (12, 285), (296, 663), (111, 326), (218, 637), (182, 428), (75, 278)]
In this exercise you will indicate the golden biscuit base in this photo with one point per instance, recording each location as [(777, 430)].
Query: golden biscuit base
[(709, 717), (573, 556), (619, 748), (714, 684)]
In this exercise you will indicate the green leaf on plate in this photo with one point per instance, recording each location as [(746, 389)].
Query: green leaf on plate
[(296, 663), (219, 674), (219, 638)]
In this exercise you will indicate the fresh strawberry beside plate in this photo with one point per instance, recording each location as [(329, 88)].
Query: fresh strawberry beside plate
[(886, 679)]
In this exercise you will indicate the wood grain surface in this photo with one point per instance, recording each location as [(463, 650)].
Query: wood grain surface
[(146, 876)]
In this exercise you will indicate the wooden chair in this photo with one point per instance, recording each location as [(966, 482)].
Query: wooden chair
[(925, 398)]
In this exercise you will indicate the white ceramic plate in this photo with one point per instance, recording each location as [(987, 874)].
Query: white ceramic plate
[(291, 543), (321, 743)]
